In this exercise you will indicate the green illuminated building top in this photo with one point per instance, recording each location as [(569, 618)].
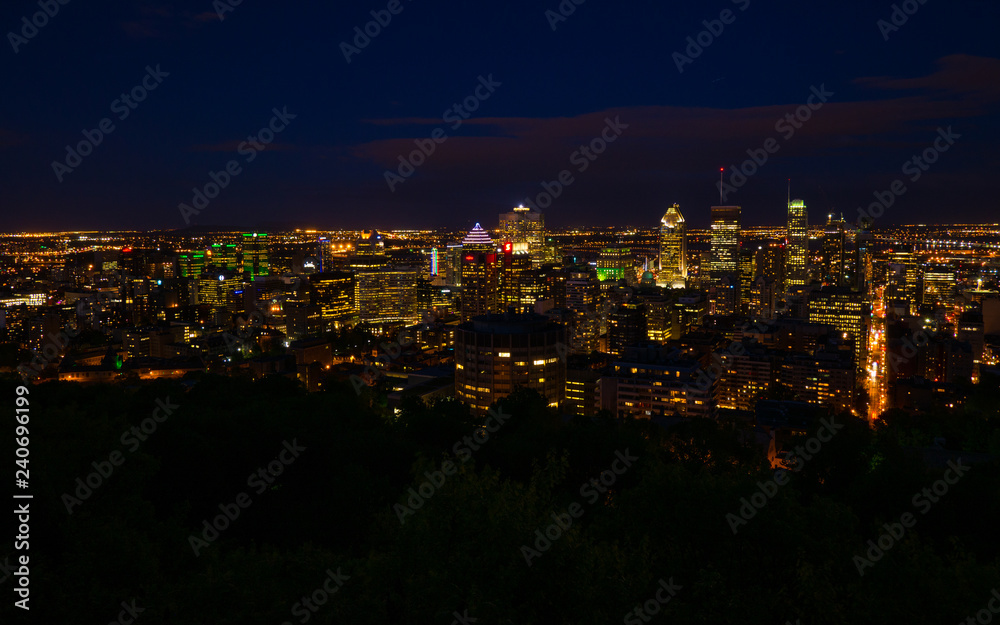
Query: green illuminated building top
[(255, 256)]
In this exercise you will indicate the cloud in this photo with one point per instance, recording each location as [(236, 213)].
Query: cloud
[(694, 139)]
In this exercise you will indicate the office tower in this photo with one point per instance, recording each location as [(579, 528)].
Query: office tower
[(724, 281), (324, 253), (904, 281), (370, 244), (626, 326), (192, 264), (582, 297), (771, 263), (517, 280), (846, 310), (863, 263), (385, 295), (725, 241), (453, 264), (938, 287), (615, 263), (526, 230), (214, 289), (494, 354), (224, 256), (255, 254), (797, 271), (673, 249), (480, 274), (834, 244), (748, 274), (334, 292)]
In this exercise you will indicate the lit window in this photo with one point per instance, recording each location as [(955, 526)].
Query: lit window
[(503, 355)]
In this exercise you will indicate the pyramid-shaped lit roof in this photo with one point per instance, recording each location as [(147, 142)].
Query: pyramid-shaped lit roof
[(477, 236)]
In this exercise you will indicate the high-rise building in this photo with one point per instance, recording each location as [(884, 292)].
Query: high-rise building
[(797, 271), (613, 264), (846, 310), (385, 294), (724, 279), (725, 241), (494, 354), (516, 279), (748, 273), (771, 263), (255, 254), (480, 275), (334, 293), (224, 256), (673, 248), (938, 286), (192, 264), (526, 230), (834, 255), (863, 269)]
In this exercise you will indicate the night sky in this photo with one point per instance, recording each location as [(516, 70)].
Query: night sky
[(556, 88)]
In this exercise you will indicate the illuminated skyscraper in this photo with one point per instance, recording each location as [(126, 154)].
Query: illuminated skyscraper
[(938, 286), (192, 264), (255, 256), (224, 257), (797, 272), (480, 274), (725, 241), (834, 244), (724, 264), (334, 293), (673, 248), (516, 278), (384, 294), (526, 230), (845, 310)]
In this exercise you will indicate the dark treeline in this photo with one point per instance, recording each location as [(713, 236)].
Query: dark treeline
[(337, 507)]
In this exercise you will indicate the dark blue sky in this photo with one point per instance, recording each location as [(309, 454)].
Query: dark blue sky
[(607, 59)]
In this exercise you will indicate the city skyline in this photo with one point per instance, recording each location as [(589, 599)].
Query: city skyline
[(886, 96)]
